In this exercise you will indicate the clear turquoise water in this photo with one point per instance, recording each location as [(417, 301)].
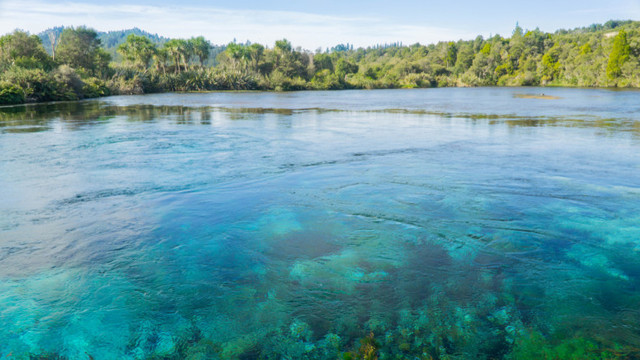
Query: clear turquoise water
[(445, 223)]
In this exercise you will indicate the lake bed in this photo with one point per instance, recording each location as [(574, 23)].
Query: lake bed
[(431, 223)]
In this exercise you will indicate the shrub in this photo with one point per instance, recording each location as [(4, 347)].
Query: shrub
[(11, 94), (64, 74), (94, 87), (39, 85)]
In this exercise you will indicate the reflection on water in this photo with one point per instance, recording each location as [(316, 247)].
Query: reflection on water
[(36, 118), (322, 225)]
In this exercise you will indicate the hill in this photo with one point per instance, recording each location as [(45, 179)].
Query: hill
[(112, 39)]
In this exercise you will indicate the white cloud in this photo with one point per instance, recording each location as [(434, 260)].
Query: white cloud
[(220, 25)]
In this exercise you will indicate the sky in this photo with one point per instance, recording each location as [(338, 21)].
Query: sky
[(315, 24)]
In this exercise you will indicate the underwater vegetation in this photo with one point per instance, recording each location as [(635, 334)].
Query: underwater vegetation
[(392, 344), (317, 226), (476, 313)]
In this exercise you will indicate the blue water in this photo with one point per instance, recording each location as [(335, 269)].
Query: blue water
[(436, 223)]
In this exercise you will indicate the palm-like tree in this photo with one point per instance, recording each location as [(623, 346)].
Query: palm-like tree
[(178, 50), (160, 58), (200, 48)]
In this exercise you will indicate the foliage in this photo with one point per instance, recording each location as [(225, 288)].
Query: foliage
[(94, 87), (200, 48), (594, 56), (80, 49), (536, 346), (11, 94), (138, 50), (22, 49), (619, 55), (38, 85)]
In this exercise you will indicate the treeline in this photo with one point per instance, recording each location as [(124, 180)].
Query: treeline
[(78, 66)]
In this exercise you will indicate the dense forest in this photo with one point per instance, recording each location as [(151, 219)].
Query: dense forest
[(76, 63)]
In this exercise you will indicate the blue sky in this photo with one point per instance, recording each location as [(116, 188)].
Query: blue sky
[(313, 24)]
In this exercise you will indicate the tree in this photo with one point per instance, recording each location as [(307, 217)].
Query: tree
[(53, 39), (344, 67), (291, 63), (323, 62), (200, 47), (283, 46), (139, 50), (464, 58), (256, 52), (160, 57), (517, 32), (451, 55), (551, 66), (80, 49), (21, 49), (180, 51), (618, 56), (237, 54), (516, 47)]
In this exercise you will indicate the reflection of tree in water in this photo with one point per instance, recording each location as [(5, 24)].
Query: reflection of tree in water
[(39, 117), (77, 114)]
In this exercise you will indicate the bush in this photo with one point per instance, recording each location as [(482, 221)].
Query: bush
[(326, 80), (39, 85), (121, 86), (64, 74), (94, 87), (11, 94), (414, 80)]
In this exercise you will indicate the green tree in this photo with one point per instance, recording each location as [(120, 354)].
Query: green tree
[(138, 50), (256, 53), (452, 54), (160, 58), (619, 54), (282, 52), (344, 67), (291, 63), (551, 64), (516, 47), (464, 58), (200, 47), (180, 51), (80, 49), (283, 46), (236, 54), (486, 49), (22, 49), (323, 62)]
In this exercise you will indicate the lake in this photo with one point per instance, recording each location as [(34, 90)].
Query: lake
[(420, 224)]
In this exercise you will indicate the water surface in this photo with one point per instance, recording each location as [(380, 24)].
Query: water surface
[(437, 223)]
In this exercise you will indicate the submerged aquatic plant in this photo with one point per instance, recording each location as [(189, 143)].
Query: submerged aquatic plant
[(368, 350)]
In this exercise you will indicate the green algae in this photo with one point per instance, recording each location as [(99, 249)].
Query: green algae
[(485, 236), (536, 96), (535, 346)]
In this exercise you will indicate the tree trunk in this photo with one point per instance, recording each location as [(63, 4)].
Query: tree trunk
[(53, 39)]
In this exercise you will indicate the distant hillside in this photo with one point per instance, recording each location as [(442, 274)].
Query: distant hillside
[(112, 39), (609, 25)]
